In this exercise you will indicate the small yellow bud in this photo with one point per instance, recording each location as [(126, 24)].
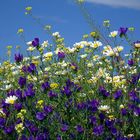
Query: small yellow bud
[(20, 31), (23, 111), (29, 8)]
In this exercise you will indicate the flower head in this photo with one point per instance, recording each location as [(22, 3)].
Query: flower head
[(104, 108), (123, 31), (18, 58), (79, 128), (113, 34), (61, 55), (64, 128), (98, 130), (137, 44), (117, 94), (35, 42), (131, 62), (11, 99), (40, 116), (22, 81)]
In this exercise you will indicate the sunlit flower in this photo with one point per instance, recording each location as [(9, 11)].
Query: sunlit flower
[(137, 44), (19, 127), (56, 34), (53, 85), (83, 56), (11, 99), (96, 44), (20, 31), (108, 51), (45, 44), (104, 108), (113, 34)]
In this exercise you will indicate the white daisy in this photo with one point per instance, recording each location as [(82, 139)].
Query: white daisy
[(113, 34), (11, 99), (104, 108)]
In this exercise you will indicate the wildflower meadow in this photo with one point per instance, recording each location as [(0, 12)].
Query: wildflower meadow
[(88, 91)]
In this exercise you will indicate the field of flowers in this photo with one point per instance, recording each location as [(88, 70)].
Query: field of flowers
[(88, 91)]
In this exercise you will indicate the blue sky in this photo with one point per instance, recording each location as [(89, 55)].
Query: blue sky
[(64, 16)]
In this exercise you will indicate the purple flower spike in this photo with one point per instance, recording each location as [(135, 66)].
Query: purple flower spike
[(9, 129), (98, 130), (22, 81), (31, 68), (79, 128), (66, 91), (29, 92), (61, 55), (114, 131), (131, 62), (40, 116), (117, 94), (18, 58), (51, 94), (45, 86), (48, 109), (35, 42), (123, 31), (64, 128), (103, 91)]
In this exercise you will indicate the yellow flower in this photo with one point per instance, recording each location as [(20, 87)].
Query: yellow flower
[(23, 111), (72, 67), (121, 106), (29, 8), (1, 70), (111, 117), (93, 34), (85, 36), (53, 85), (131, 29), (19, 127), (40, 102), (20, 31), (19, 115), (2, 114), (36, 62)]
